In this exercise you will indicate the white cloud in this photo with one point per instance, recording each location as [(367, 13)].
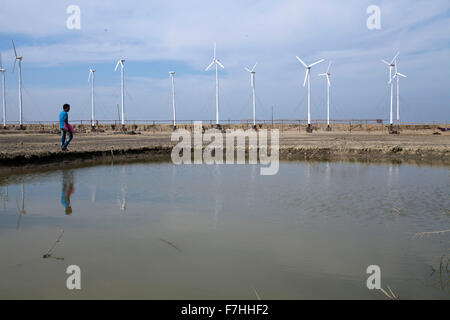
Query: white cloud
[(270, 32)]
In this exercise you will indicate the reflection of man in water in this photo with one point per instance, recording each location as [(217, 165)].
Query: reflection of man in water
[(67, 190)]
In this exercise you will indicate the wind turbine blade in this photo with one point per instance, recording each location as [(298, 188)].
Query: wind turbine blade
[(90, 73), (214, 50), (14, 46), (220, 64), (395, 58), (306, 77), (301, 62), (401, 75), (14, 66), (329, 82), (248, 69), (254, 66), (329, 66), (385, 62), (1, 64), (210, 65), (322, 74), (317, 62), (117, 65)]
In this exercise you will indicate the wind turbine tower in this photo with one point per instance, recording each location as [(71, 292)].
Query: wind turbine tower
[(2, 71), (397, 76), (174, 110), (122, 88), (218, 64), (308, 78), (328, 75), (19, 58), (91, 73), (391, 66), (252, 83)]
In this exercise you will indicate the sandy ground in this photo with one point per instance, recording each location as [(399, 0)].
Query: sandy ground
[(36, 143), (38, 148)]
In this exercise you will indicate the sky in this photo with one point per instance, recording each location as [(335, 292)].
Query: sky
[(159, 36)]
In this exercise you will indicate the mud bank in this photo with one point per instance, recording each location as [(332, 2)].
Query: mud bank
[(392, 155), (30, 151), (58, 160)]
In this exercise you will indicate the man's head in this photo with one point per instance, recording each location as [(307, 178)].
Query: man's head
[(66, 107)]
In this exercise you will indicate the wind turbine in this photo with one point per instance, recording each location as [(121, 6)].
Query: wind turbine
[(3, 92), (328, 75), (19, 58), (391, 66), (173, 100), (91, 73), (121, 63), (397, 76), (308, 78), (252, 82), (217, 63)]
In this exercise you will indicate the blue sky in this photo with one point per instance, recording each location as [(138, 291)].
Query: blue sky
[(159, 36)]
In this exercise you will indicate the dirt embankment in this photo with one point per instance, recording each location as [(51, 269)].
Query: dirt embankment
[(20, 150)]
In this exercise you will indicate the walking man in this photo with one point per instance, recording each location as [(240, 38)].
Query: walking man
[(66, 128)]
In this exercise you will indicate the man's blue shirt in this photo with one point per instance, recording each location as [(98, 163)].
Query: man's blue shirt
[(63, 116)]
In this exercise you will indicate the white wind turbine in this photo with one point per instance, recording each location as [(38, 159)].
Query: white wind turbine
[(172, 73), (217, 63), (121, 63), (3, 92), (308, 78), (397, 76), (252, 83), (391, 66), (19, 58), (91, 73), (328, 75)]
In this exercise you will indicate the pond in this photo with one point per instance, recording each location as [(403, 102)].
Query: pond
[(162, 231)]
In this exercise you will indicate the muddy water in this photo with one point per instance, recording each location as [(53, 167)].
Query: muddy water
[(160, 231)]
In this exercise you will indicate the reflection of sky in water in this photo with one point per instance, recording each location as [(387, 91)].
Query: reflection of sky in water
[(164, 231)]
